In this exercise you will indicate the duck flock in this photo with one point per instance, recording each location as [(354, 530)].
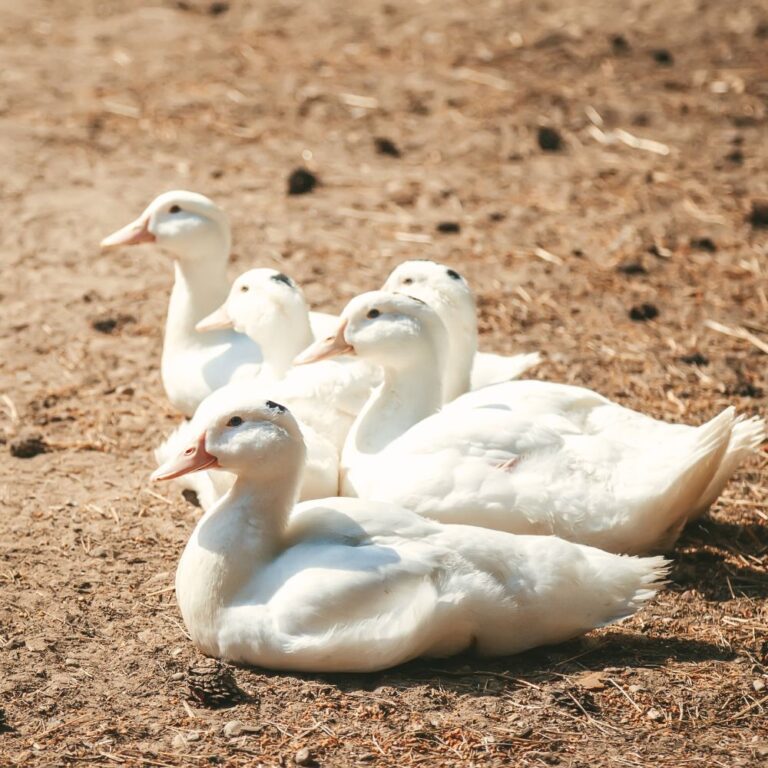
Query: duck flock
[(375, 489)]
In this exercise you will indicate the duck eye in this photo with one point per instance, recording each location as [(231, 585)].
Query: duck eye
[(408, 281), (453, 274), (235, 421), (275, 406), (373, 313), (244, 289), (174, 209)]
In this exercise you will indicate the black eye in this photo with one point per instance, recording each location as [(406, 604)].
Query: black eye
[(373, 313), (244, 289), (174, 209), (235, 421), (408, 281), (453, 274), (276, 406), (281, 278)]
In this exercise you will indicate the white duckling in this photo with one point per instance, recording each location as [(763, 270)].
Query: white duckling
[(197, 234), (270, 308), (524, 457), (449, 294), (346, 585)]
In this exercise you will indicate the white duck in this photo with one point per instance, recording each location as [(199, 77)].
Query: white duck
[(346, 585), (196, 233), (449, 294), (270, 308), (525, 457)]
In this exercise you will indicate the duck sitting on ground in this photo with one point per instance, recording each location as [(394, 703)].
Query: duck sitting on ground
[(524, 456), (347, 585)]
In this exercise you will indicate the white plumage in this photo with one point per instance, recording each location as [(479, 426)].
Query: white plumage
[(527, 456), (353, 585)]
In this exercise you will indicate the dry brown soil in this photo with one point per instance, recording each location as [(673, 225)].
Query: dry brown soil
[(105, 104)]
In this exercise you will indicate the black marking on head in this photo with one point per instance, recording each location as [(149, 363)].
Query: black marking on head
[(235, 421), (373, 313), (174, 209), (281, 278), (276, 406), (245, 288), (453, 274)]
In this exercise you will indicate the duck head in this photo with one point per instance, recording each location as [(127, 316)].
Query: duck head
[(389, 329), (442, 287), (260, 301), (242, 434), (187, 224)]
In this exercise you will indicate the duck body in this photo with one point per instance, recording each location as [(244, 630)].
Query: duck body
[(347, 585), (196, 233), (356, 586), (567, 463), (525, 457)]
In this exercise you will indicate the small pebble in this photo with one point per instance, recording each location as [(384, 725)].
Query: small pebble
[(233, 728), (620, 45), (663, 57), (179, 741), (301, 181), (655, 715), (758, 215), (449, 227), (27, 446), (304, 757), (735, 156), (549, 139), (758, 685), (643, 312), (385, 146), (217, 8), (703, 244), (695, 358), (177, 676), (632, 268)]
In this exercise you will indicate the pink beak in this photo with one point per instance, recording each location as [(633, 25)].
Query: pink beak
[(217, 320), (132, 234), (330, 347), (193, 459)]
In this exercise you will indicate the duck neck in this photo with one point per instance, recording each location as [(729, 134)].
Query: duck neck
[(409, 393), (462, 340), (282, 346), (200, 287), (232, 541)]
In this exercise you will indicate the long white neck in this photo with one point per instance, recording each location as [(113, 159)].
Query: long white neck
[(462, 346), (231, 542), (409, 393), (200, 286), (281, 346)]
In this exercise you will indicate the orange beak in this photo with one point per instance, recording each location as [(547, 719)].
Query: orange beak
[(193, 459), (217, 320), (330, 347), (132, 234)]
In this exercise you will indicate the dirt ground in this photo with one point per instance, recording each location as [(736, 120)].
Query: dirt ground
[(507, 117)]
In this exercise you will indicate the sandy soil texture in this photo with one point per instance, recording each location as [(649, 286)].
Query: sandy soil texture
[(594, 168)]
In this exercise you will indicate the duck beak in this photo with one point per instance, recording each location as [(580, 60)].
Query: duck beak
[(217, 320), (132, 234), (330, 347), (193, 459)]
